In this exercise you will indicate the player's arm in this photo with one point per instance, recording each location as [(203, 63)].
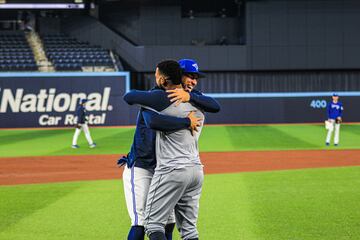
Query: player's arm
[(164, 123), (79, 114), (328, 109), (207, 104), (153, 99), (341, 110), (339, 118), (158, 121)]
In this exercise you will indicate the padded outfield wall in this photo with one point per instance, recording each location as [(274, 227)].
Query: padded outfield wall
[(50, 100)]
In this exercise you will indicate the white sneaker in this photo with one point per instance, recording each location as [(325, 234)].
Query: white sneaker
[(92, 145)]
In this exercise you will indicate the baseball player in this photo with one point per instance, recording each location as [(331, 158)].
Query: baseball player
[(334, 112), (178, 176), (141, 160), (82, 125)]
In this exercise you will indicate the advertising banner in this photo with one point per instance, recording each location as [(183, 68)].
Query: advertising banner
[(50, 100)]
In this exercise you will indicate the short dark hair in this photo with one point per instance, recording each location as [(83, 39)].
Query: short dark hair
[(171, 70)]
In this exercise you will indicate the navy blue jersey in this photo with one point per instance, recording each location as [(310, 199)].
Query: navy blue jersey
[(143, 147), (81, 114), (334, 110)]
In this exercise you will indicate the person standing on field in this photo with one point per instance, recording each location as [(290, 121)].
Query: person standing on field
[(334, 112), (82, 125)]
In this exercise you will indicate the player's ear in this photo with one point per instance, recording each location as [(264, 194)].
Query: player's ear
[(163, 81)]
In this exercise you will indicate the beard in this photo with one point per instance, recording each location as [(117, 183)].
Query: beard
[(188, 87)]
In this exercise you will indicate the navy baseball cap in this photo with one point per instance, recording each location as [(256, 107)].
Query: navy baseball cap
[(190, 66), (335, 95), (83, 101)]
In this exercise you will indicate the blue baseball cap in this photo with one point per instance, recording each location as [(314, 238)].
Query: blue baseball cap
[(190, 66), (335, 95), (82, 101)]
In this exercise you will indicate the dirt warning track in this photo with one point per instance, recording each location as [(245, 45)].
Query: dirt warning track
[(26, 170)]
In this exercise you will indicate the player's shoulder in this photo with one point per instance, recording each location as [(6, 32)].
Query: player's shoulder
[(157, 91), (159, 99), (156, 88), (197, 92), (159, 95)]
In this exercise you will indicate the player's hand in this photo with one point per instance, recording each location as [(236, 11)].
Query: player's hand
[(338, 120), (195, 122), (178, 96)]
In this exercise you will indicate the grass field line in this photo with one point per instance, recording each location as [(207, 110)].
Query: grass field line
[(224, 125), (307, 204)]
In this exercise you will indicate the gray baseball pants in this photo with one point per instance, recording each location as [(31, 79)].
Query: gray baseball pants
[(179, 189)]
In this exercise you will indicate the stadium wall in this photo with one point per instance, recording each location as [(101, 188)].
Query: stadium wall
[(280, 35), (147, 25), (270, 81), (301, 34), (50, 100)]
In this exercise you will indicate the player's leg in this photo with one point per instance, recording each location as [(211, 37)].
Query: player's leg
[(337, 134), (76, 136), (170, 225), (165, 191), (136, 186), (169, 228), (187, 208), (329, 133), (85, 127)]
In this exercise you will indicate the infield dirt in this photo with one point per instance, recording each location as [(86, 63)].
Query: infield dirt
[(27, 170)]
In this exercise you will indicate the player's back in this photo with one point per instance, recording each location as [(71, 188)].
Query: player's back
[(180, 148)]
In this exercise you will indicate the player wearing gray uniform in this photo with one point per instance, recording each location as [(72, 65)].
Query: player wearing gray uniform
[(141, 160), (178, 177)]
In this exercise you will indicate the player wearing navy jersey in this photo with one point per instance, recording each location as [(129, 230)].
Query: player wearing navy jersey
[(82, 125), (141, 161), (334, 112)]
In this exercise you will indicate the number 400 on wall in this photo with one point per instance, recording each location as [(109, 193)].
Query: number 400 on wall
[(316, 103)]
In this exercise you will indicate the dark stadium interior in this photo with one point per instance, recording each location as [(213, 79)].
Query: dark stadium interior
[(243, 46)]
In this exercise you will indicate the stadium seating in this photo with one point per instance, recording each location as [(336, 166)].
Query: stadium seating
[(69, 54), (15, 53)]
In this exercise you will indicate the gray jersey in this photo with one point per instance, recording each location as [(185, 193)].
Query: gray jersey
[(178, 149), (178, 178)]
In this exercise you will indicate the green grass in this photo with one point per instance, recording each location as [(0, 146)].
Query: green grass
[(300, 204), (214, 138)]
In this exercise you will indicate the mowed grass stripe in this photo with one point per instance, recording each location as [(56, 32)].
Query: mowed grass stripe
[(117, 140), (19, 202), (316, 135), (298, 204), (213, 139)]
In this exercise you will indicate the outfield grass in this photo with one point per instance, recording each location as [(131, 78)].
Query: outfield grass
[(214, 138), (297, 204)]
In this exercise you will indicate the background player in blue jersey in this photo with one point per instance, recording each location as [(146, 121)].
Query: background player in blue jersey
[(141, 160), (82, 125), (334, 112)]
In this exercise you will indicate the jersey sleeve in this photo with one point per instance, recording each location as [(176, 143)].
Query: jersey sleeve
[(156, 99), (208, 104), (80, 114), (341, 110), (164, 123), (328, 109)]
